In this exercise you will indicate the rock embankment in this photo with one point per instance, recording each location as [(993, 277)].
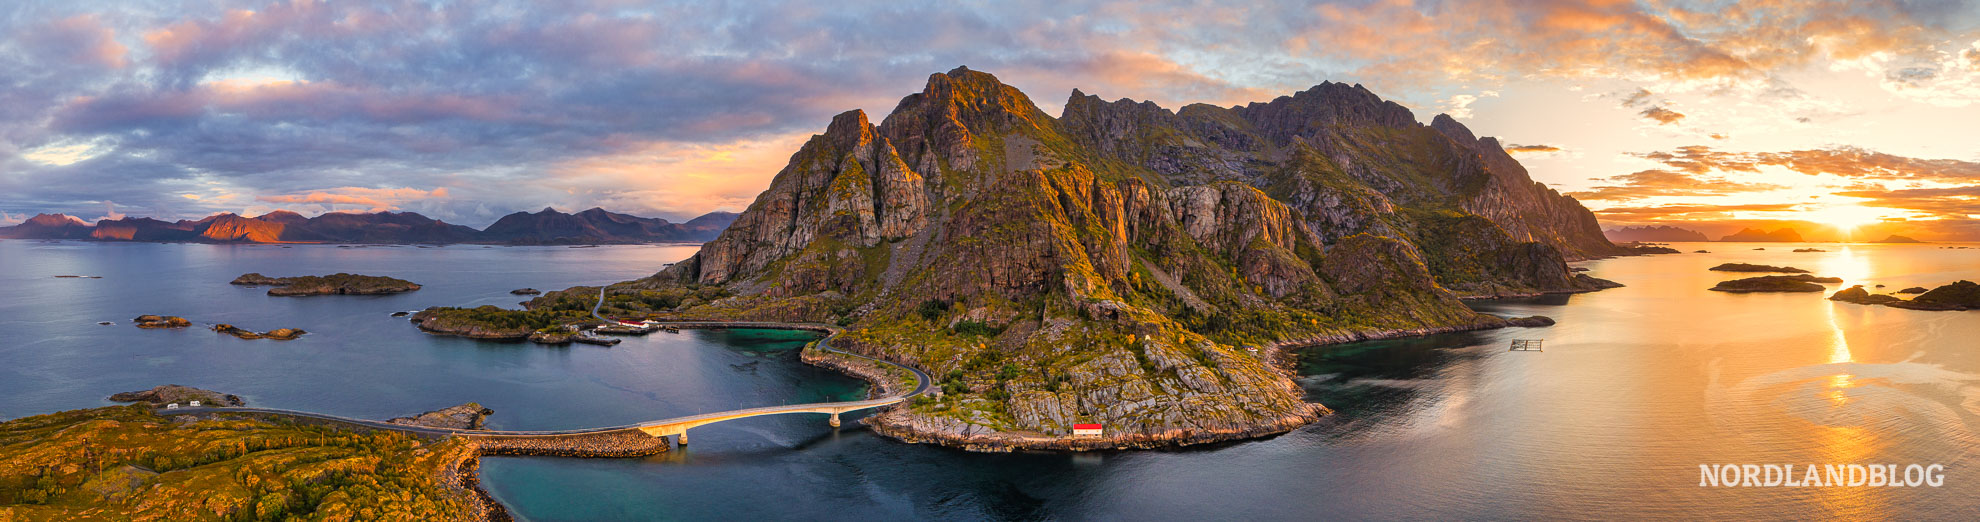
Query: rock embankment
[(1788, 283), (1744, 267), (468, 416), (279, 334), (173, 393), (333, 284), (160, 321), (1962, 295), (627, 443)]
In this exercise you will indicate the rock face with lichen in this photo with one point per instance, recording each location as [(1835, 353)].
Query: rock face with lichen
[(1114, 265), (467, 416)]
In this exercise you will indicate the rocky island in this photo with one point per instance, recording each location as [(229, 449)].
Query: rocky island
[(334, 284), (279, 334), (160, 321), (545, 326), (1744, 267), (1960, 295), (1121, 264), (173, 393), (1787, 283)]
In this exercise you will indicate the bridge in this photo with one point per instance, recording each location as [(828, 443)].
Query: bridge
[(642, 438)]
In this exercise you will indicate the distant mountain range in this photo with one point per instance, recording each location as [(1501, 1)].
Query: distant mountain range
[(1656, 233), (1754, 235), (547, 226)]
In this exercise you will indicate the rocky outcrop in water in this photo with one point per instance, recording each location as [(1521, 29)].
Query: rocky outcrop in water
[(334, 284), (467, 416), (160, 321), (1913, 290), (1961, 295), (1787, 283), (279, 334), (183, 395), (1857, 294)]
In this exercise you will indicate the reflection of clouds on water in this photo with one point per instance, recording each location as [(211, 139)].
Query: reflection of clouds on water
[(1880, 397)]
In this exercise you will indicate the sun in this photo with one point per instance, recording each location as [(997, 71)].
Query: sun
[(1847, 217)]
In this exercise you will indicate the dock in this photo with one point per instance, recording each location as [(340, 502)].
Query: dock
[(1526, 345)]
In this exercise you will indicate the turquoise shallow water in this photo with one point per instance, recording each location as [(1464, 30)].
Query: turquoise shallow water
[(1636, 388)]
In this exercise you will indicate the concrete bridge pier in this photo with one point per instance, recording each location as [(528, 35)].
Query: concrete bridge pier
[(835, 420), (681, 440)]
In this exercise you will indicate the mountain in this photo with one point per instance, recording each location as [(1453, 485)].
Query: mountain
[(1894, 238), (1113, 265), (143, 229), (281, 226), (548, 226), (388, 227), (47, 226), (1754, 235), (1654, 234)]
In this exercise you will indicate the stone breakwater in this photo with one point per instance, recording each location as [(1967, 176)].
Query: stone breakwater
[(622, 443), (464, 475)]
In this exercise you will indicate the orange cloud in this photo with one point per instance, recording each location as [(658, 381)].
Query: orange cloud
[(1842, 161), (1653, 183), (1527, 149), (1662, 115)]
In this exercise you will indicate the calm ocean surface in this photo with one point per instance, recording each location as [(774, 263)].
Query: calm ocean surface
[(1637, 387)]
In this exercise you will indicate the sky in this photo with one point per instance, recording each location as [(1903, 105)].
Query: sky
[(1855, 118)]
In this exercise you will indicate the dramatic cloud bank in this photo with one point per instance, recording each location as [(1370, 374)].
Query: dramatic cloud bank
[(466, 111)]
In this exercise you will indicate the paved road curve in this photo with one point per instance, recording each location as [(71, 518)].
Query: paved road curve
[(661, 427)]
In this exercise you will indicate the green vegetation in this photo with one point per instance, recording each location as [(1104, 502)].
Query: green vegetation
[(127, 463)]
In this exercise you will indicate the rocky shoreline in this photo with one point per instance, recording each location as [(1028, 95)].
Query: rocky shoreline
[(896, 422)]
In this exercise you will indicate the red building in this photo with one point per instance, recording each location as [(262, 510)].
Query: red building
[(1086, 429)]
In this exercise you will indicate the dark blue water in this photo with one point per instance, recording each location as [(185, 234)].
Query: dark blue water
[(1636, 388)]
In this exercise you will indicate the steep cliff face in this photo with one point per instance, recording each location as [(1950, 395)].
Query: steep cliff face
[(1351, 163), (1110, 266)]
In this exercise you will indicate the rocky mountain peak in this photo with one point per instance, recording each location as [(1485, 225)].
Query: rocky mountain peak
[(1444, 123), (53, 220), (958, 104)]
